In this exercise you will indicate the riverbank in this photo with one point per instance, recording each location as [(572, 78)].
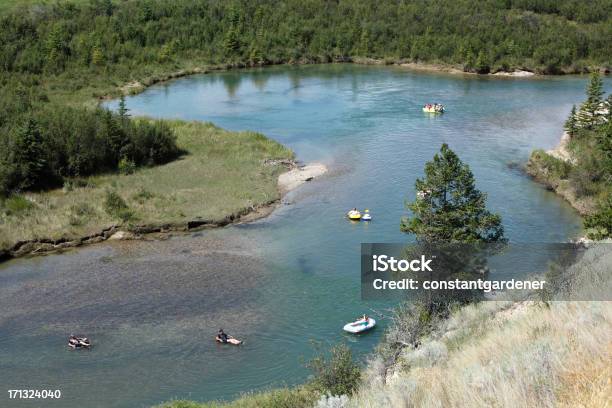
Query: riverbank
[(551, 168), (579, 168), (137, 86), (225, 177), (101, 91), (446, 68)]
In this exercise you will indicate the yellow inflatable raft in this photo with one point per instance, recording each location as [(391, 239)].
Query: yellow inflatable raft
[(354, 215)]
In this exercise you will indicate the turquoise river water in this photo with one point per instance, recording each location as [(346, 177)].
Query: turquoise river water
[(152, 307)]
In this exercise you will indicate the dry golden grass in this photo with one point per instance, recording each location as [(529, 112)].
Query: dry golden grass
[(537, 357), (503, 354), (587, 382), (222, 173)]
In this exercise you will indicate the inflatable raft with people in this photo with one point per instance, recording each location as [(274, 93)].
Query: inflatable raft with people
[(433, 108), (356, 215), (364, 323)]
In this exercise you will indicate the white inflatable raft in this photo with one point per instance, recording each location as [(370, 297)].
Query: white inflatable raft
[(360, 326)]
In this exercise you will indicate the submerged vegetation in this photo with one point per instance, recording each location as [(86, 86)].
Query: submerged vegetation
[(582, 170)]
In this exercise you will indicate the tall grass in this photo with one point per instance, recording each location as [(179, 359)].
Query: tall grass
[(279, 398)]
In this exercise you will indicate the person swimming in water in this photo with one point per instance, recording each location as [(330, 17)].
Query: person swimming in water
[(222, 336), (78, 341), (225, 338)]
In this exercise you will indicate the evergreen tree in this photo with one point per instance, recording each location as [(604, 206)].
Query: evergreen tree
[(165, 53), (364, 43), (482, 63), (116, 137), (231, 43), (97, 57), (29, 155), (469, 61), (123, 110), (570, 124), (448, 207), (107, 7), (449, 212), (604, 145), (256, 56), (589, 111)]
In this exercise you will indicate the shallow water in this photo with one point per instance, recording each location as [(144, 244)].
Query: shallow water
[(153, 307)]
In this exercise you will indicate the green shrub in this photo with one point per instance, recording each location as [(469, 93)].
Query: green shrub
[(71, 184), (126, 166), (17, 205), (6, 173), (142, 195), (599, 224), (583, 183), (555, 168), (116, 206), (336, 374), (79, 213), (297, 397), (82, 210)]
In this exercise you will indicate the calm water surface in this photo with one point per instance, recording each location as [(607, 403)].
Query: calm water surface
[(153, 307)]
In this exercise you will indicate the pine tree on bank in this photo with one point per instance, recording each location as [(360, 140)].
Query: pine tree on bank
[(123, 109), (571, 126), (448, 213), (449, 208), (29, 155), (590, 114)]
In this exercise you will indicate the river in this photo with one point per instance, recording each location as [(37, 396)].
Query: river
[(152, 307)]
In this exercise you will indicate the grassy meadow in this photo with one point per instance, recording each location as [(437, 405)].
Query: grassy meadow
[(221, 173)]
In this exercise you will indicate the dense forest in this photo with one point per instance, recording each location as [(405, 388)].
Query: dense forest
[(52, 143), (548, 35), (50, 53)]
